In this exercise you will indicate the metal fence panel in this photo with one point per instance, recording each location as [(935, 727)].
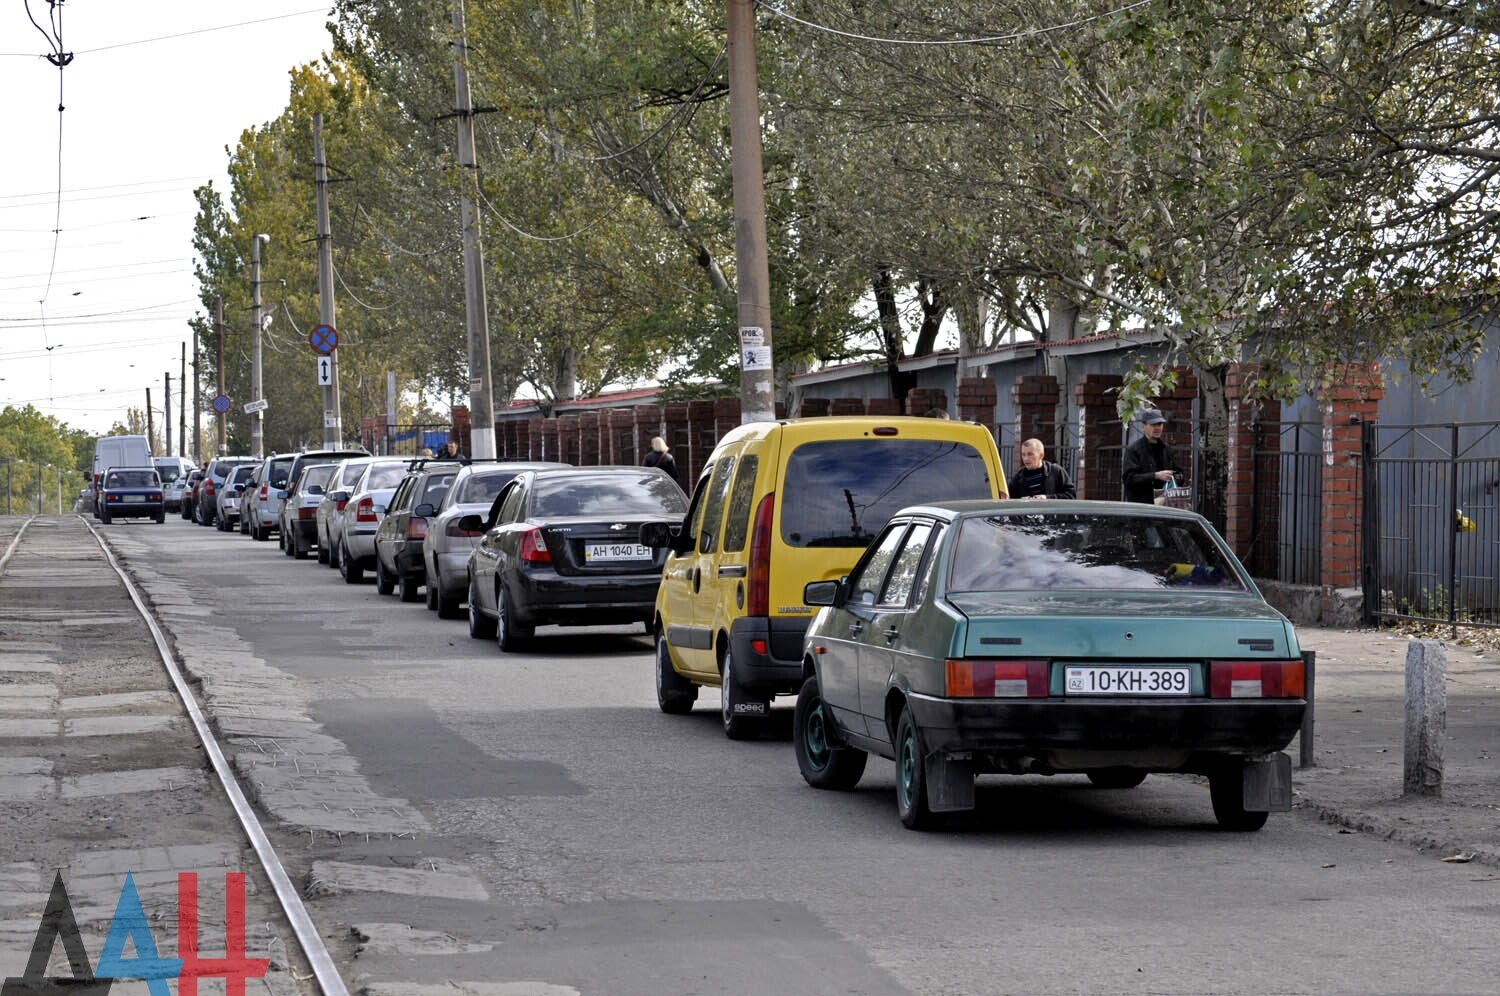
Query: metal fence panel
[(1286, 515)]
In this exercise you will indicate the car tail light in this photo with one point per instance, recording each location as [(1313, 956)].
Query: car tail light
[(154, 496), (265, 491), (338, 506), (307, 512), (111, 496), (534, 548), (454, 529), (758, 591), (1256, 680), (208, 488), (416, 528), (987, 679), (365, 511)]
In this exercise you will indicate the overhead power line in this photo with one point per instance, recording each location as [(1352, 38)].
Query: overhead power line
[(996, 39)]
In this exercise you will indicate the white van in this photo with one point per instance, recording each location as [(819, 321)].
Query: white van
[(118, 451), (174, 471)]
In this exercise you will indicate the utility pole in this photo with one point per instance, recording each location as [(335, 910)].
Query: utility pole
[(481, 388), (257, 427), (182, 443), (219, 327), (197, 400), (150, 424), (333, 426), (166, 414), (757, 386)]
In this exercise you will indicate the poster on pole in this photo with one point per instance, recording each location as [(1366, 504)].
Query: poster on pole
[(754, 353)]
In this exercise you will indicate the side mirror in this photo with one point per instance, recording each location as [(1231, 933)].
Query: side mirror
[(472, 523), (820, 592), (339, 496), (283, 494), (315, 489), (655, 534), (236, 490), (424, 510)]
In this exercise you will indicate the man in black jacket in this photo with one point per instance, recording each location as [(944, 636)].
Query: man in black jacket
[(1147, 464), (1038, 477)]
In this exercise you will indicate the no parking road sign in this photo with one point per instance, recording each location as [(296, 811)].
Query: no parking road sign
[(324, 339), (222, 404)]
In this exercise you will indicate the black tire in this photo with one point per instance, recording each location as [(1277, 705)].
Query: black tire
[(481, 626), (675, 695), (411, 589), (737, 725), (509, 634), (288, 544), (1227, 789), (1117, 778), (104, 517), (244, 525), (384, 583), (822, 764), (448, 607), (431, 599), (349, 569), (334, 553), (160, 518), (322, 551), (911, 776)]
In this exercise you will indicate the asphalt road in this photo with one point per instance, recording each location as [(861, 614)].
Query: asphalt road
[(531, 825)]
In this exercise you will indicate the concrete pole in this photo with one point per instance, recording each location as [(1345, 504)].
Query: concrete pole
[(1426, 716), (481, 386), (150, 422), (757, 400), (223, 437), (333, 426), (197, 401), (390, 408), (257, 426), (182, 442), (166, 415)]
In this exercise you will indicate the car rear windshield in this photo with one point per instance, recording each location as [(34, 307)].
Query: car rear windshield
[(279, 471), (318, 475), (607, 495), (169, 472), (846, 490), (384, 475), (1041, 550), (482, 488), (131, 479)]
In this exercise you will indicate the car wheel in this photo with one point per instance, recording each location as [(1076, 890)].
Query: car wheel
[(674, 693), (431, 599), (322, 551), (822, 764), (1227, 789), (508, 633), (333, 554), (410, 589), (1117, 778), (738, 724), (288, 544), (161, 518), (349, 568), (911, 775), (481, 626), (384, 583), (244, 526), (104, 517), (448, 607)]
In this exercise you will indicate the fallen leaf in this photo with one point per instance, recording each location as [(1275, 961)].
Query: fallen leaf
[(1459, 859), (1335, 866)]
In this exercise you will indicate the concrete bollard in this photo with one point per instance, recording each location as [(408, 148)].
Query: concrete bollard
[(1426, 716)]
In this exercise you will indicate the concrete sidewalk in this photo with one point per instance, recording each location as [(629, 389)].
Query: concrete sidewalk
[(1358, 739)]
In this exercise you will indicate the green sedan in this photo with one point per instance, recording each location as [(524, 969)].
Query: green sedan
[(1105, 639)]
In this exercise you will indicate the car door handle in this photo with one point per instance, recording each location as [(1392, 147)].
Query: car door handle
[(891, 634), (732, 571), (856, 628)]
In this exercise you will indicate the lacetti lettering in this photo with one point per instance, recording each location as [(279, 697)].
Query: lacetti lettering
[(130, 925)]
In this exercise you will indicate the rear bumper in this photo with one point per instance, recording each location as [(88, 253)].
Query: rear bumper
[(768, 653), (453, 572), (133, 510), (558, 600)]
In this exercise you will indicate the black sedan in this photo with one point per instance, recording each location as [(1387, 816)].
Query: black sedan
[(132, 493), (561, 548)]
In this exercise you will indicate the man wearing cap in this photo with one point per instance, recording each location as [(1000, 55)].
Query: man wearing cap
[(1148, 465)]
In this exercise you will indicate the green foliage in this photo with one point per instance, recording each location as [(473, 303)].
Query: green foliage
[(40, 455)]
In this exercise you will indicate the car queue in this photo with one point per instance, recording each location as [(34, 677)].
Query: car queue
[(873, 571)]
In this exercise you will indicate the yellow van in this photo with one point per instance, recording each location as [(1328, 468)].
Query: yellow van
[(778, 505)]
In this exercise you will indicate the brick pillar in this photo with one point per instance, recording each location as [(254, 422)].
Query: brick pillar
[(1350, 396), (549, 440), (674, 417), (1247, 476), (813, 407), (700, 416), (567, 439), (882, 406), (460, 429), (726, 416), (1177, 406), (1099, 451), (1035, 397), (588, 439), (976, 400), (921, 400), (847, 406)]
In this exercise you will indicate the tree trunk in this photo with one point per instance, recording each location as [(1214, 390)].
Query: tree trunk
[(1213, 423), (884, 289)]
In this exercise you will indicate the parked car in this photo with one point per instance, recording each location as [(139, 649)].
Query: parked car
[(402, 532), (561, 548), (261, 508), (190, 494), (446, 549), (174, 471), (227, 512), (345, 474), (364, 506), (777, 505), (214, 476), (1101, 638), (131, 492), (123, 450), (299, 509)]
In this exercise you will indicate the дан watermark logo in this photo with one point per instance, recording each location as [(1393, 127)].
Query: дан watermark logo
[(129, 924)]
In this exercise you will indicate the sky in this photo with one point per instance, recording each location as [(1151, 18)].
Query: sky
[(155, 95)]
